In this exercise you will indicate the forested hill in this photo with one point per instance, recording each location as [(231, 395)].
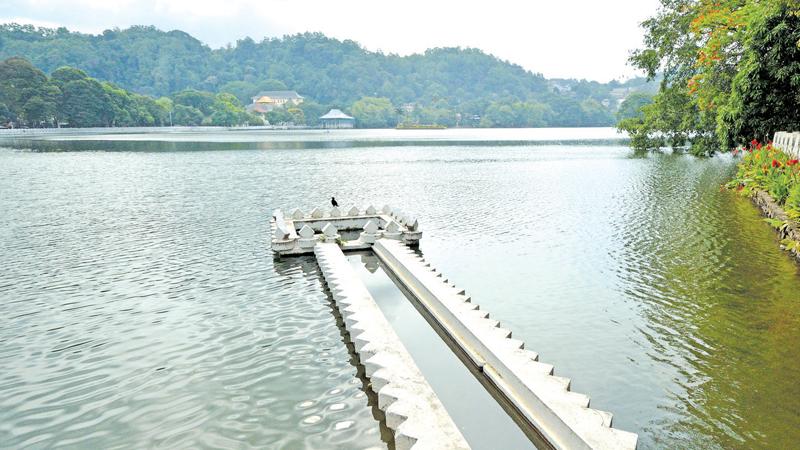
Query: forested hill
[(327, 71)]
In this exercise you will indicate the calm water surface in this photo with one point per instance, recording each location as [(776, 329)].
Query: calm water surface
[(140, 305)]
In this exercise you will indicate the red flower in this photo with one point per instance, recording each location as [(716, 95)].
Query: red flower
[(776, 163), (754, 142), (791, 162)]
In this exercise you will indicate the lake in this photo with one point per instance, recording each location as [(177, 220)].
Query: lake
[(140, 305)]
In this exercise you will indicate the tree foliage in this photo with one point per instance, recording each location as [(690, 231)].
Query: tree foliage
[(765, 93), (70, 97), (372, 112), (443, 83), (700, 48)]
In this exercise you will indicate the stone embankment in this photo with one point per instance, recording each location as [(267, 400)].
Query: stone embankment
[(770, 208)]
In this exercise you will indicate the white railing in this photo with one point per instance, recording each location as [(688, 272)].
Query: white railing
[(788, 142)]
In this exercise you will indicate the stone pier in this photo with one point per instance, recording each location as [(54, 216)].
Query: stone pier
[(544, 401), (560, 416), (413, 411)]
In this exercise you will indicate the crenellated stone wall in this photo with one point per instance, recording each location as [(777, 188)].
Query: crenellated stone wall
[(297, 233), (562, 417), (413, 411)]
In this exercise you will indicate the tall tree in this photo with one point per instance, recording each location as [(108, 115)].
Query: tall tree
[(697, 46), (765, 95), (19, 83), (86, 104), (372, 112)]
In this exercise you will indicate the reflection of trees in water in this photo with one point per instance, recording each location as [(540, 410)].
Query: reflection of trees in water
[(703, 271)]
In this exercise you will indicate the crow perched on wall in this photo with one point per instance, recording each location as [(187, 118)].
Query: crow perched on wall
[(334, 203)]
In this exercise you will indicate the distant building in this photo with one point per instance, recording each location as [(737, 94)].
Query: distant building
[(337, 119), (266, 101)]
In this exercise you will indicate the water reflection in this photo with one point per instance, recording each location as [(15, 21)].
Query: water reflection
[(138, 298), (481, 420)]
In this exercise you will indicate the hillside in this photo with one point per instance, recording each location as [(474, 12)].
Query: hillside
[(329, 72)]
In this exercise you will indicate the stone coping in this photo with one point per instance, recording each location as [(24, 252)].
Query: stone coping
[(563, 418), (324, 225), (413, 411)]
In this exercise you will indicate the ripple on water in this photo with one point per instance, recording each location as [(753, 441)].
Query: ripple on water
[(160, 321), (139, 304)]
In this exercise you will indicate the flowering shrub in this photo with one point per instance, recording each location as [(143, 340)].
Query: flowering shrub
[(767, 168)]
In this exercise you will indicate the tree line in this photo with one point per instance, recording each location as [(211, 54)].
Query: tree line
[(730, 73), (69, 97), (450, 86)]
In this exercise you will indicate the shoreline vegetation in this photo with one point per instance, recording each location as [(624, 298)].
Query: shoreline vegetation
[(451, 87), (730, 71), (771, 179)]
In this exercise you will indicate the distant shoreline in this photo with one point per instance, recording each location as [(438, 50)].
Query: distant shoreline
[(35, 132)]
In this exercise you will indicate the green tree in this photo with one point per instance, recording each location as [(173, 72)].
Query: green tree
[(187, 116), (243, 90), (86, 104), (373, 112), (297, 115), (697, 46), (443, 82), (162, 110), (227, 111), (764, 96), (65, 74), (39, 112), (279, 116), (631, 107), (202, 101), (594, 114), (19, 83), (312, 111), (5, 114), (271, 85)]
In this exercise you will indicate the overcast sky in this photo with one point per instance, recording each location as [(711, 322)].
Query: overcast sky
[(559, 38)]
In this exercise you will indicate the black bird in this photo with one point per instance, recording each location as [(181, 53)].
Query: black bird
[(334, 203)]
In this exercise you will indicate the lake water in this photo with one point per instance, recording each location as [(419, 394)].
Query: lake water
[(140, 305)]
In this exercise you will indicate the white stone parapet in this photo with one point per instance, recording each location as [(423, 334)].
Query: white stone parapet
[(284, 230), (413, 411), (788, 142), (560, 416)]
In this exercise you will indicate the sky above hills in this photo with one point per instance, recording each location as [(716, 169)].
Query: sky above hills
[(561, 39)]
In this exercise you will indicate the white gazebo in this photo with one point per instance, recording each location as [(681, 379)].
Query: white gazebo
[(335, 118)]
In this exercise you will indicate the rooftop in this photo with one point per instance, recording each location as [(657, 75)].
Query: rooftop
[(336, 114), (279, 94)]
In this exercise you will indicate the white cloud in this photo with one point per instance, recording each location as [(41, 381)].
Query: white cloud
[(568, 38)]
